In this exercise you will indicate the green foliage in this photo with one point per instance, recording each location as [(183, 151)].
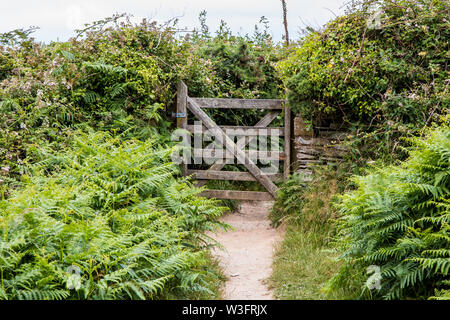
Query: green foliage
[(17, 36), (398, 219), (245, 67), (392, 70), (110, 203), (308, 257), (105, 80), (304, 263), (290, 198), (121, 77), (383, 80), (113, 210), (307, 199)]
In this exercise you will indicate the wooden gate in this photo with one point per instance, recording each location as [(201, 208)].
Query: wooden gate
[(237, 150)]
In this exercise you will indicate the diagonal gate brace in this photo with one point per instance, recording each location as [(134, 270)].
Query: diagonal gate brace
[(231, 146)]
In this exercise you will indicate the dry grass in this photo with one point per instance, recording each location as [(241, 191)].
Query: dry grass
[(303, 265)]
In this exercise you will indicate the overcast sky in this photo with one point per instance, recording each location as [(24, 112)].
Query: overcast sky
[(58, 18)]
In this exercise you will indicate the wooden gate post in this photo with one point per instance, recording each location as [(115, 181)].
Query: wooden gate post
[(181, 115), (287, 140)]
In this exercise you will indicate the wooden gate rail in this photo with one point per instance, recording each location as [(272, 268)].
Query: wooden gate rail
[(236, 150), (228, 175), (216, 103), (247, 130), (237, 195)]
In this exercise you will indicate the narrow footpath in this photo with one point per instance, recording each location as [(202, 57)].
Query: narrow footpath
[(246, 259)]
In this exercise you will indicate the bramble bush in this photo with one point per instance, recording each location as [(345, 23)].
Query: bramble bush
[(380, 70), (115, 75), (85, 176), (243, 67), (102, 79), (384, 80)]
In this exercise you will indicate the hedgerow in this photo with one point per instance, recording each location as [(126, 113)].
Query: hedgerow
[(86, 181), (380, 70), (381, 73), (243, 67), (394, 68)]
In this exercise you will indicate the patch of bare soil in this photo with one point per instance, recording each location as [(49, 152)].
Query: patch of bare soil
[(246, 259)]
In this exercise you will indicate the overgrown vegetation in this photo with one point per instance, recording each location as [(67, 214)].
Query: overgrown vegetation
[(86, 179), (120, 77), (87, 185), (112, 210), (381, 71), (243, 67), (308, 259), (398, 219)]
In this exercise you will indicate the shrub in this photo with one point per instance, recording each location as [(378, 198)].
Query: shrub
[(394, 70), (398, 219)]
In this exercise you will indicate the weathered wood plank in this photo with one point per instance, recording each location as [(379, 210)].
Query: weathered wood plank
[(287, 141), (239, 103), (237, 195), (231, 146), (246, 131), (265, 121), (251, 154), (309, 161), (182, 93), (227, 175)]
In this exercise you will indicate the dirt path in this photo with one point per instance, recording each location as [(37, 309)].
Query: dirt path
[(247, 258)]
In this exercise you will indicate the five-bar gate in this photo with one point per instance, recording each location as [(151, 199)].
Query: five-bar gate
[(237, 149)]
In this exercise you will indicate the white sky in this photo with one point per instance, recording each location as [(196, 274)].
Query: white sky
[(58, 18)]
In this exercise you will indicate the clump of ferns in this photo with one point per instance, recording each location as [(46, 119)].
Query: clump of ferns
[(398, 219), (112, 211)]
